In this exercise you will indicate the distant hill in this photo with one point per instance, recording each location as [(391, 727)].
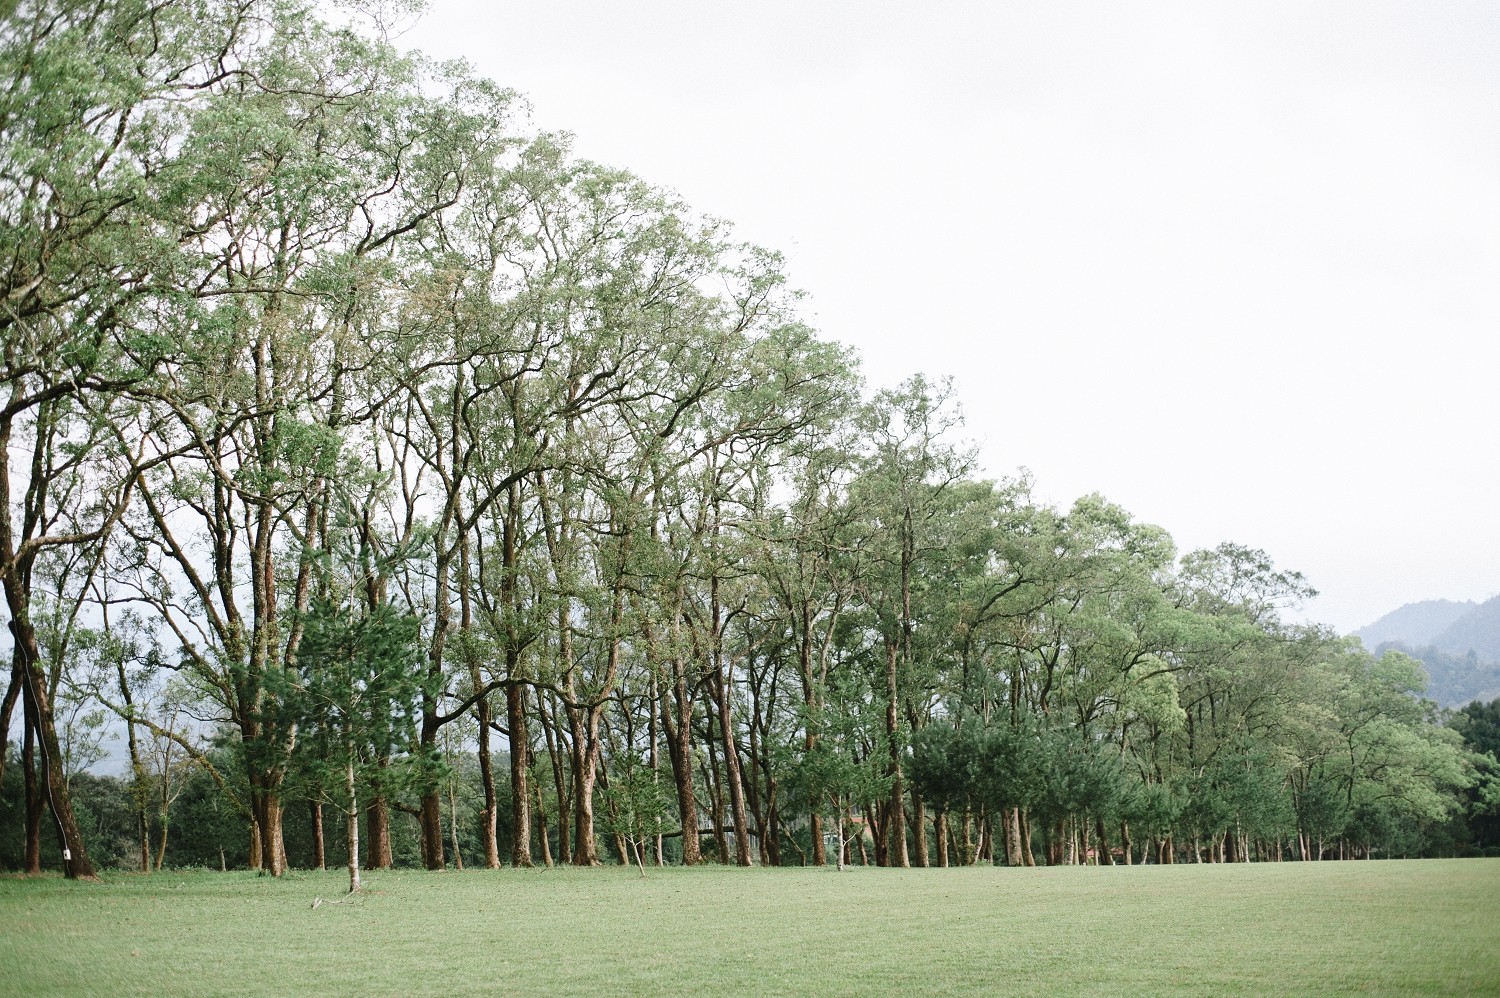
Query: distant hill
[(1453, 680), (1458, 643), (1477, 631), (1415, 624)]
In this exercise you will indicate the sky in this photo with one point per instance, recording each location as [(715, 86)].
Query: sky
[(1236, 266)]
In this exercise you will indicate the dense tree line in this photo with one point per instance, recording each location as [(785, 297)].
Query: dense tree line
[(367, 454)]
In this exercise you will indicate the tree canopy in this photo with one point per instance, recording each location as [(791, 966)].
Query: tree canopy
[(364, 448)]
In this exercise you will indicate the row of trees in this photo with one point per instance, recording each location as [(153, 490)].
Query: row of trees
[(353, 430)]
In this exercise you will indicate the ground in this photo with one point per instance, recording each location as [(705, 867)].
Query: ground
[(1407, 927)]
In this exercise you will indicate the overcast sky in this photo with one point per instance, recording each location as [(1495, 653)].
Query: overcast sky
[(1235, 266)]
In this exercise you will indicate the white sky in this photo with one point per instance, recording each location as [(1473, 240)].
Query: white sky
[(1234, 265)]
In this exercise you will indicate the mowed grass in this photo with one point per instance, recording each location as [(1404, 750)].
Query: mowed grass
[(1417, 927)]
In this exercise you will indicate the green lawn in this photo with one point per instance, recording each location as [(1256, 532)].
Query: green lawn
[(1429, 926)]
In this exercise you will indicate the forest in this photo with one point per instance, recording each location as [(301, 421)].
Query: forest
[(397, 487)]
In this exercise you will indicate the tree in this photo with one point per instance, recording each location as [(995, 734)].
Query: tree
[(361, 678), (94, 95), (315, 357), (633, 806), (909, 473)]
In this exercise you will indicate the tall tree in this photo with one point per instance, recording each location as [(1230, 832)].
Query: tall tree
[(911, 469), (359, 676), (93, 103)]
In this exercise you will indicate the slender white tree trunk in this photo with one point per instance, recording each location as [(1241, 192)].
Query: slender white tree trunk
[(352, 823)]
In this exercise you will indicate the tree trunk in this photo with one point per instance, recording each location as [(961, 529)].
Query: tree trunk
[(940, 830), (758, 806), (458, 857), (585, 762), (161, 850), (876, 820), (254, 863), (585, 852), (1105, 859), (319, 858), (520, 751), (429, 810), (53, 781), (895, 818), (378, 814), (488, 831), (583, 724), (553, 737), (732, 773), (622, 850), (680, 755), (272, 843), (34, 802), (429, 817), (7, 709), (138, 786), (716, 798), (654, 759), (483, 711), (810, 738), (15, 579), (351, 822), (1014, 852), (919, 828), (541, 824), (772, 845), (515, 693)]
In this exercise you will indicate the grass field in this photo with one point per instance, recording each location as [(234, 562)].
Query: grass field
[(1418, 927)]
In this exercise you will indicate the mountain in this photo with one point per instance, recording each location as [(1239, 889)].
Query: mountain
[(1477, 631), (1415, 624), (1458, 643)]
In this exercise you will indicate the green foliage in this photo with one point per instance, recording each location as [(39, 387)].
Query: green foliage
[(1155, 809), (1076, 776), (361, 679), (635, 805), (1055, 773), (374, 403), (1479, 724)]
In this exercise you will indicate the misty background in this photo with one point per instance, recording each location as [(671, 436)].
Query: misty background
[(1235, 266)]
